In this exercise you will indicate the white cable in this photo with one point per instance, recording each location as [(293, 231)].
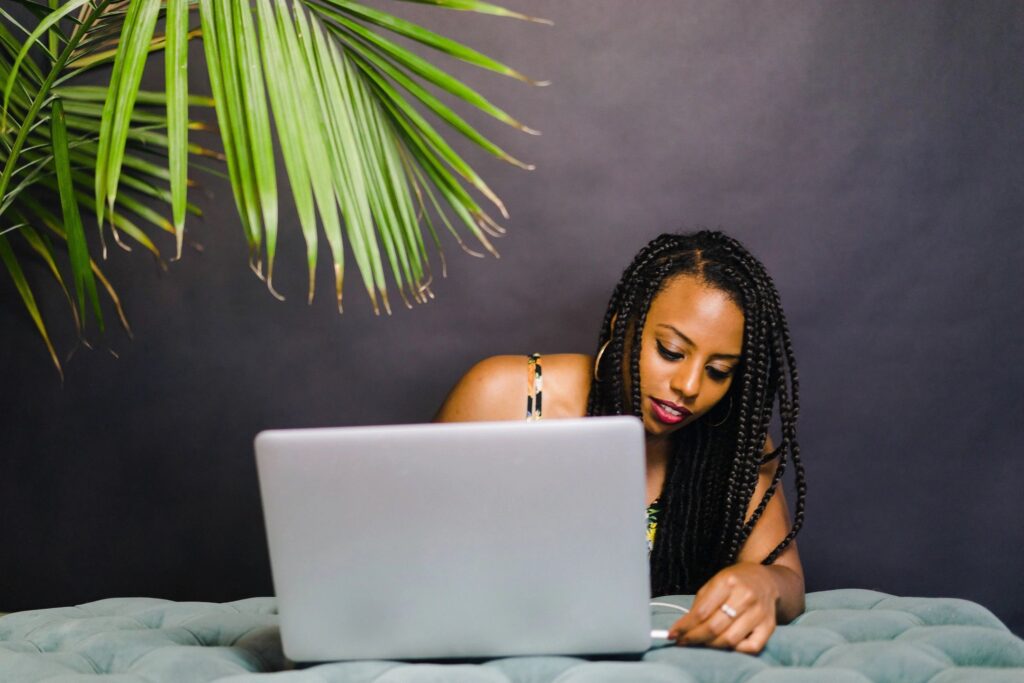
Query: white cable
[(663, 632), (669, 604)]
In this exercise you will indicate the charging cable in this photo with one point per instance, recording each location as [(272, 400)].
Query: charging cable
[(663, 632)]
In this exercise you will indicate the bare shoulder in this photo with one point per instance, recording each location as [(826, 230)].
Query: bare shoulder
[(493, 389), (578, 364)]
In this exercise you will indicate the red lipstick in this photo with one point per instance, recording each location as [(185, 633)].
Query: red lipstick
[(668, 413)]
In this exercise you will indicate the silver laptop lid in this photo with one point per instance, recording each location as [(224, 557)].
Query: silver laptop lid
[(458, 540)]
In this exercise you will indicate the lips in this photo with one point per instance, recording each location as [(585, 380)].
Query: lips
[(669, 413)]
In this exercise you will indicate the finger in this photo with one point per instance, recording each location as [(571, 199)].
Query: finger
[(756, 641), (681, 625), (739, 630), (740, 600), (717, 625), (687, 621), (707, 601), (704, 632), (711, 597)]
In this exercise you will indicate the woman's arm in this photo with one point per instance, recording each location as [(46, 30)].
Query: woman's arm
[(769, 531), (493, 389), (761, 595)]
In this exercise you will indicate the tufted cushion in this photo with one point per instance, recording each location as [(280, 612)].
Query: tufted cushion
[(140, 640), (845, 636)]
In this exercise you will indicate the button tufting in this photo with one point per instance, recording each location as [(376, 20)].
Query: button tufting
[(845, 636)]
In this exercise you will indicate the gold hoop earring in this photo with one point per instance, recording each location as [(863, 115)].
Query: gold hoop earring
[(727, 413), (597, 361)]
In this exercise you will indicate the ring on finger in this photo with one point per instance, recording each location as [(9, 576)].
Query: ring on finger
[(729, 611)]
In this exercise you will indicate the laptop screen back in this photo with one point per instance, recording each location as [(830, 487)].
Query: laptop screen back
[(458, 540)]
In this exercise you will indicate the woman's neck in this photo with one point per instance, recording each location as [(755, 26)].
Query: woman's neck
[(657, 451)]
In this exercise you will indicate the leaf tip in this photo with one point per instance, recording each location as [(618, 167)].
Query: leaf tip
[(270, 286), (256, 266), (118, 241), (521, 164)]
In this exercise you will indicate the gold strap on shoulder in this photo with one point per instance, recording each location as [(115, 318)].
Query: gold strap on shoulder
[(534, 388)]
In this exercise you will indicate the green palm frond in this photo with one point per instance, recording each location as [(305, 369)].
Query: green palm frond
[(354, 112)]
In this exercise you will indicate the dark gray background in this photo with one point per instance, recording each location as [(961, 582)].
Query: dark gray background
[(869, 153)]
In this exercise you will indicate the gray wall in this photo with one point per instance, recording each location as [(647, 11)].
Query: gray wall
[(870, 153)]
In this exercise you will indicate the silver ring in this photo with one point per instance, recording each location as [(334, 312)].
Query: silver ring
[(729, 611)]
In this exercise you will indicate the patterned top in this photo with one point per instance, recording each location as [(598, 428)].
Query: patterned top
[(652, 523), (534, 393)]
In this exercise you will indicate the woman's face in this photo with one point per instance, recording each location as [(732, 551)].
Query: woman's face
[(691, 347)]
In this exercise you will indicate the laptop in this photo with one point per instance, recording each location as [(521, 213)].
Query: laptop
[(458, 541)]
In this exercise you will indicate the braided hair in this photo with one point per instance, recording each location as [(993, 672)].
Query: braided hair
[(713, 470)]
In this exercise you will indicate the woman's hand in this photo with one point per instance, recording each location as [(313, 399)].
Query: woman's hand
[(735, 609)]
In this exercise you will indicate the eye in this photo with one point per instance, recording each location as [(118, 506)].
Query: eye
[(718, 374), (666, 354)]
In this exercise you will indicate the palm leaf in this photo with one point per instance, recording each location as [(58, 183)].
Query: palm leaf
[(373, 63), (42, 161), (176, 75), (53, 225), (287, 113), (129, 64), (44, 249), (85, 285), (33, 39), (356, 34), (14, 269), (481, 8), (253, 105), (427, 37), (218, 43), (351, 111)]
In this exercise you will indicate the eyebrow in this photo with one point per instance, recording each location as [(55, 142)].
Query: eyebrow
[(731, 356)]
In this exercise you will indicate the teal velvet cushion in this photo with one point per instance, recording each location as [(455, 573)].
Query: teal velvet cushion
[(140, 640), (845, 636)]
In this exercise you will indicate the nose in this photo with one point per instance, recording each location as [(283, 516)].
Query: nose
[(687, 379)]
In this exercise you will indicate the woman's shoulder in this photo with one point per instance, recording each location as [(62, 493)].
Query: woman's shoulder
[(495, 388), (569, 369)]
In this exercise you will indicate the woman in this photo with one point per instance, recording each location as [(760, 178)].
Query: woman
[(694, 343)]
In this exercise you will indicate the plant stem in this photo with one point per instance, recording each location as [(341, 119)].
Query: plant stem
[(52, 34)]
